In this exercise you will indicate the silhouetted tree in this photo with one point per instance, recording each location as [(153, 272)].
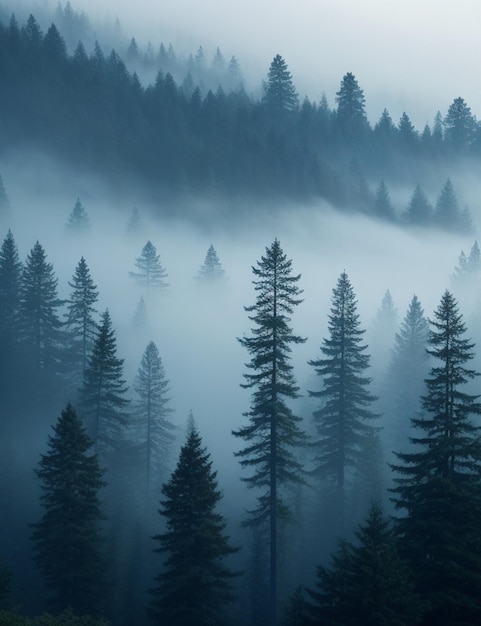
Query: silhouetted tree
[(78, 220), (382, 203), (153, 411), (439, 483), (448, 214), (67, 539), (279, 91), (211, 270), (342, 421), (459, 126), (10, 276), (366, 582), (194, 584), (350, 100), (151, 274), (273, 432), (419, 211)]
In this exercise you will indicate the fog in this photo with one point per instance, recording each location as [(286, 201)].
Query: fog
[(407, 56)]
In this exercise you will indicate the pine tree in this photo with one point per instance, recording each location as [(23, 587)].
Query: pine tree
[(102, 395), (78, 220), (152, 410), (195, 583), (80, 323), (212, 270), (67, 539), (279, 92), (273, 432), (419, 211), (459, 126), (10, 276), (151, 273), (343, 421), (39, 304), (366, 582), (381, 335), (439, 483), (382, 203), (447, 213), (4, 202), (468, 269), (351, 112)]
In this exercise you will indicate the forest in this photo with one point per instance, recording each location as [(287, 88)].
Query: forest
[(239, 345)]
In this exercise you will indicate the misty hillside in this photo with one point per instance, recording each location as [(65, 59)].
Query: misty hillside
[(203, 135)]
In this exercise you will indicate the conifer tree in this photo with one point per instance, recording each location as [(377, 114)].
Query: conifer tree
[(151, 273), (10, 276), (382, 203), (382, 334), (78, 220), (39, 305), (279, 93), (343, 420), (366, 582), (351, 112), (4, 202), (211, 270), (468, 269), (102, 396), (460, 126), (153, 411), (67, 539), (438, 487), (419, 211), (80, 323), (448, 214), (134, 224), (194, 584), (273, 432)]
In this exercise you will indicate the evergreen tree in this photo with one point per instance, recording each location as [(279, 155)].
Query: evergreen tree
[(151, 274), (468, 269), (407, 134), (134, 224), (80, 323), (439, 483), (67, 539), (39, 304), (382, 333), (78, 220), (366, 582), (419, 211), (459, 126), (10, 276), (102, 395), (152, 409), (4, 202), (279, 92), (212, 270), (273, 432), (295, 613), (342, 422), (382, 203), (195, 583), (351, 112), (448, 214)]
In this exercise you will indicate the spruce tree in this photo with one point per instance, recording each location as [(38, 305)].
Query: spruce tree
[(153, 411), (383, 207), (151, 273), (211, 271), (419, 212), (366, 581), (351, 111), (438, 488), (67, 539), (273, 432), (343, 421), (10, 276), (102, 396), (448, 214), (279, 93), (80, 324), (78, 220), (194, 584), (39, 318)]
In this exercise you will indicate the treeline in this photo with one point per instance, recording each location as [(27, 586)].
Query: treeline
[(107, 471), (187, 138)]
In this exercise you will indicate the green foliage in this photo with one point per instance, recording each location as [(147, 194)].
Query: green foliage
[(194, 584), (366, 582), (67, 538)]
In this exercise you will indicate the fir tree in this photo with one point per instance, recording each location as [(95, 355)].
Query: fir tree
[(419, 211), (67, 539), (78, 220), (366, 582), (382, 203), (102, 395), (195, 583), (351, 112), (212, 270), (343, 421), (10, 276), (460, 126), (439, 483), (279, 93), (152, 410), (273, 432), (151, 274), (447, 213)]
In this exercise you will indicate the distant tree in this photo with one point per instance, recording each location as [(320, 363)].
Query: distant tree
[(468, 269), (438, 488), (10, 277), (102, 395), (80, 324), (447, 213), (343, 419), (382, 203), (4, 202), (419, 211), (385, 129), (234, 75), (351, 112), (194, 584), (279, 91), (151, 274), (140, 318), (134, 223), (366, 582), (212, 270), (67, 539), (78, 221), (273, 432), (153, 411), (407, 134), (459, 126), (382, 333), (39, 305)]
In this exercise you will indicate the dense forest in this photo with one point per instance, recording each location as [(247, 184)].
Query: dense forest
[(242, 432)]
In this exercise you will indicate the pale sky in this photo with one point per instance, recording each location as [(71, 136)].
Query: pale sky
[(409, 55)]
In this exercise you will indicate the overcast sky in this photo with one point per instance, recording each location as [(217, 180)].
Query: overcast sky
[(409, 55)]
